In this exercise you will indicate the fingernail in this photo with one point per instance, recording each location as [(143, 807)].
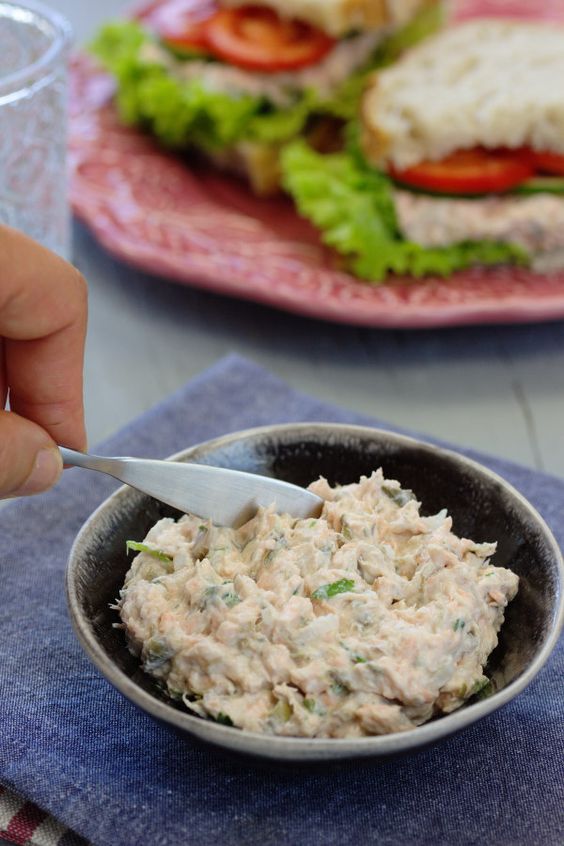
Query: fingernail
[(46, 470)]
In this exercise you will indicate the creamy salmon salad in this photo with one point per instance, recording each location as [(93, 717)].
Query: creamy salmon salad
[(369, 620), (535, 223)]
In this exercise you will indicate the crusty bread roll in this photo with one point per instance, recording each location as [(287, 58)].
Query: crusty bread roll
[(488, 83), (338, 17), (258, 163)]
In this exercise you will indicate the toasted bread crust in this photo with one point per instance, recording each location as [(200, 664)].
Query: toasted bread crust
[(259, 163), (374, 142), (339, 17), (371, 14)]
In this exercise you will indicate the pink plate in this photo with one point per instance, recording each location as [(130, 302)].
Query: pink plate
[(175, 218)]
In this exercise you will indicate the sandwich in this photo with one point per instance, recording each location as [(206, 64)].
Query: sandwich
[(238, 81), (456, 159)]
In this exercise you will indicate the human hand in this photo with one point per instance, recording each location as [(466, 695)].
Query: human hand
[(43, 309)]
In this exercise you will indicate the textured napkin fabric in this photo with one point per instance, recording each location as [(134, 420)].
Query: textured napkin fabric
[(75, 747), (24, 824)]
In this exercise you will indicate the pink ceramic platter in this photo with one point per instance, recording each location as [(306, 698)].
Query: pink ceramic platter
[(177, 219)]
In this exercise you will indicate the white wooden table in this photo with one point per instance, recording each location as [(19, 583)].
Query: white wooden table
[(498, 389)]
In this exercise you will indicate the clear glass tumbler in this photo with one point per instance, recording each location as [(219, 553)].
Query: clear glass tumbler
[(34, 47)]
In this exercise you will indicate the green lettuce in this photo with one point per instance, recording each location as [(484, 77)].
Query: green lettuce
[(427, 21), (352, 205), (181, 112), (344, 103)]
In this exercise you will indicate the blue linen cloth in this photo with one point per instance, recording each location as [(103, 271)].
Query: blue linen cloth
[(74, 746)]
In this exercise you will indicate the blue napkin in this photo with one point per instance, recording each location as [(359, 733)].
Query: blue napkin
[(74, 746)]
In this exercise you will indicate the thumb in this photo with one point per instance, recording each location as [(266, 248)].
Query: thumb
[(29, 459)]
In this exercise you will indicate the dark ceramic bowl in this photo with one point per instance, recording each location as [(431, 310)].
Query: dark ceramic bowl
[(483, 506)]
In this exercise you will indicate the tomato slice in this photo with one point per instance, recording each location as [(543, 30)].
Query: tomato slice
[(548, 162), (181, 24), (477, 171), (256, 38), (250, 37)]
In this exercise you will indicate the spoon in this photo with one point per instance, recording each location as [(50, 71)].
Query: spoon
[(226, 497)]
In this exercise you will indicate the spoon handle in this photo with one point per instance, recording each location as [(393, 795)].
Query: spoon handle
[(227, 497)]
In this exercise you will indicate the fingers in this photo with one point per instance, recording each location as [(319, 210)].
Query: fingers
[(29, 460), (45, 379), (3, 385), (43, 309)]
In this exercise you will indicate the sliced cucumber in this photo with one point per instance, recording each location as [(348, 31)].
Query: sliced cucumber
[(186, 53), (541, 185)]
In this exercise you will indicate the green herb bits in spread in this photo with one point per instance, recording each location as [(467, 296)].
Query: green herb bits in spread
[(368, 620), (334, 589)]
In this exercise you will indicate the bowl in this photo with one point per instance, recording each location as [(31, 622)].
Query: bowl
[(484, 507)]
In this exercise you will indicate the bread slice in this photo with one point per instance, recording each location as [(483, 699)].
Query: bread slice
[(489, 83), (339, 17), (259, 163)]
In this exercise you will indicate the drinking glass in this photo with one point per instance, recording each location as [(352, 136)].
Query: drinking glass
[(34, 48)]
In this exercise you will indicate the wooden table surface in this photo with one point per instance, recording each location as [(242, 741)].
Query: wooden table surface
[(498, 389)]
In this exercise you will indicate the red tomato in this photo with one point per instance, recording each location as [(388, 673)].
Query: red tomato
[(182, 24), (549, 162), (477, 171), (256, 38)]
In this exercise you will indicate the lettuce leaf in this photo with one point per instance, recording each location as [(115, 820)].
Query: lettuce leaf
[(352, 204), (181, 112), (344, 103), (177, 111), (427, 21), (275, 125)]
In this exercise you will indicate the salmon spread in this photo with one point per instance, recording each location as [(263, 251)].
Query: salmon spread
[(535, 223), (369, 620)]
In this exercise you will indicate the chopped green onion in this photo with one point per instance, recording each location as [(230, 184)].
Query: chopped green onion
[(157, 653), (282, 711), (482, 688), (346, 531), (174, 694), (148, 550), (398, 495), (333, 589)]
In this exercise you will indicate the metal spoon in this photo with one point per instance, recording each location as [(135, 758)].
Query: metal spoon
[(226, 497)]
